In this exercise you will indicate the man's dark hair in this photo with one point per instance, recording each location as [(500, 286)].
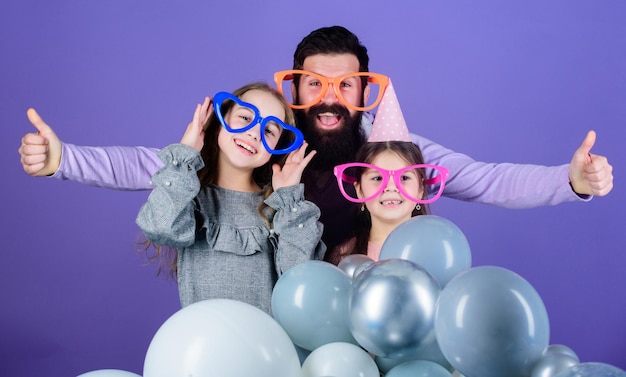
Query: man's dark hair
[(331, 40)]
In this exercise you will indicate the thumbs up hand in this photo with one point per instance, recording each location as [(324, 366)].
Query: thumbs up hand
[(590, 174), (40, 151)]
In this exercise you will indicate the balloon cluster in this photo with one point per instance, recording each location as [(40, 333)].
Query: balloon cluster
[(421, 310)]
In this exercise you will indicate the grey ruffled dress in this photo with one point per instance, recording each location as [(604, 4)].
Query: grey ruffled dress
[(225, 248)]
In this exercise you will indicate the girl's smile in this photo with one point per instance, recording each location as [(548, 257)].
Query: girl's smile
[(390, 206), (245, 150), (245, 146)]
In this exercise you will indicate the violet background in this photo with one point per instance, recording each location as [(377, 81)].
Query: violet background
[(501, 81)]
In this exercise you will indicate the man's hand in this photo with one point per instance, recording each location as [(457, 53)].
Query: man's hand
[(40, 151), (590, 174)]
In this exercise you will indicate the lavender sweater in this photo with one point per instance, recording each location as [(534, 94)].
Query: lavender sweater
[(501, 184)]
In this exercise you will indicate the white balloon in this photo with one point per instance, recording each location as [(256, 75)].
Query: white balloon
[(223, 338), (108, 373), (339, 359)]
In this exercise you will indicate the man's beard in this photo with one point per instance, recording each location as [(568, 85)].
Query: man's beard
[(335, 146)]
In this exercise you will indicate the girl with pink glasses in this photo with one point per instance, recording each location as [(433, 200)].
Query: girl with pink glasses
[(389, 181)]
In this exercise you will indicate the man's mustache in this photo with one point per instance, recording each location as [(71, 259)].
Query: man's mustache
[(341, 111)]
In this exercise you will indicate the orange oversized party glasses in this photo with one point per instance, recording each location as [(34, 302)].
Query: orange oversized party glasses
[(349, 88)]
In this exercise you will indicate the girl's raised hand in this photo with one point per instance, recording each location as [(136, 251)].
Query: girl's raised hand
[(291, 173), (194, 134)]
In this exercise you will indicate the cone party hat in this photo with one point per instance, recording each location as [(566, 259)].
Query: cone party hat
[(389, 123)]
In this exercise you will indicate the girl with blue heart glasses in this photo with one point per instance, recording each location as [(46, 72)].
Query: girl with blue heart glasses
[(229, 203), (248, 116)]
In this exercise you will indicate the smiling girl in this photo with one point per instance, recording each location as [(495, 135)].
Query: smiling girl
[(230, 203), (389, 180)]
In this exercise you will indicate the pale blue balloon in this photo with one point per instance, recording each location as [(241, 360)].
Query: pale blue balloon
[(592, 370), (418, 368), (221, 337), (392, 308), (339, 360), (490, 322), (310, 302), (434, 243), (430, 352), (109, 373)]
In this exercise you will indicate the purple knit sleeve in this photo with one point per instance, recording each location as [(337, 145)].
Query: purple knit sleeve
[(119, 168), (502, 184)]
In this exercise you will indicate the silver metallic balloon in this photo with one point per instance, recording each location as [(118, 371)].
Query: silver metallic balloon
[(560, 348), (362, 268), (354, 263), (551, 364), (392, 308)]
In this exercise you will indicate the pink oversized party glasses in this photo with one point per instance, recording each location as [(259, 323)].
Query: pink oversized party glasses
[(350, 173)]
